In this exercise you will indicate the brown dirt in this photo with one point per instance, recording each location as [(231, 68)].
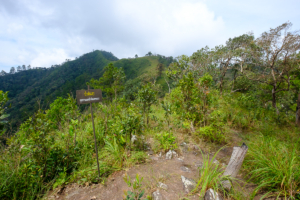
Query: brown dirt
[(158, 169)]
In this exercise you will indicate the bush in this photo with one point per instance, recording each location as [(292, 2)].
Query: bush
[(167, 141)]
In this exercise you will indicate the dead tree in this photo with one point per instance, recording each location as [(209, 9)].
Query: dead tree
[(235, 164)]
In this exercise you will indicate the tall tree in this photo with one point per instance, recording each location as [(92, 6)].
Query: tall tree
[(275, 58), (3, 115), (298, 111), (226, 56), (19, 68), (12, 70), (23, 67), (3, 73)]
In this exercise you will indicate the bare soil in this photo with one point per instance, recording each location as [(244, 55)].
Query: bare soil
[(158, 169)]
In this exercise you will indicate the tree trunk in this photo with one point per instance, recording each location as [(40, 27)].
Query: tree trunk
[(222, 80), (274, 97), (298, 111), (235, 164)]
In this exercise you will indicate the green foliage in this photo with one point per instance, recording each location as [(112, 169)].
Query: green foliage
[(3, 100), (211, 175), (273, 166), (147, 97), (167, 141), (212, 133), (111, 82), (62, 110), (137, 192), (191, 99)]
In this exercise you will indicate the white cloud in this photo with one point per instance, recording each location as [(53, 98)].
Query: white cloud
[(43, 33), (49, 57)]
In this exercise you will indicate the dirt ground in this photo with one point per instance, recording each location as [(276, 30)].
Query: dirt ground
[(156, 170), (153, 172)]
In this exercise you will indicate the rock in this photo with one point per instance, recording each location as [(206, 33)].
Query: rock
[(212, 195), (160, 154), (170, 154), (183, 144), (216, 162), (196, 148), (185, 147), (93, 198), (185, 169), (157, 195), (150, 152), (133, 139), (188, 184), (180, 159), (199, 164), (162, 185), (154, 158)]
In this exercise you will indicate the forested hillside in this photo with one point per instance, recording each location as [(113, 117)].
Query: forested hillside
[(241, 99), (37, 88)]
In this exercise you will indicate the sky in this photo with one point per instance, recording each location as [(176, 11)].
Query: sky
[(43, 33)]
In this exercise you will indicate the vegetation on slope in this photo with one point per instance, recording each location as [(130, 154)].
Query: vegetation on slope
[(211, 93), (33, 89)]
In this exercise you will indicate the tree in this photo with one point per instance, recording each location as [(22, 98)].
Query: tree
[(298, 111), (3, 100), (23, 67), (159, 69), (111, 82), (231, 54), (12, 70), (3, 73), (29, 67), (19, 68), (149, 54), (147, 97), (275, 59), (136, 56)]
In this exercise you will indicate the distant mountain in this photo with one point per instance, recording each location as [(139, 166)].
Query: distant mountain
[(39, 87)]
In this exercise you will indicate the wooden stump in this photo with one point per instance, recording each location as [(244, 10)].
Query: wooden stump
[(235, 164)]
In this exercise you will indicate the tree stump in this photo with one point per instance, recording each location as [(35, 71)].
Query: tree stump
[(235, 164)]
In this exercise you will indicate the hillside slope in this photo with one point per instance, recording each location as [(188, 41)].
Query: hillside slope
[(31, 89)]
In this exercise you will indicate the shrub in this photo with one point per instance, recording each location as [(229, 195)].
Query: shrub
[(167, 141)]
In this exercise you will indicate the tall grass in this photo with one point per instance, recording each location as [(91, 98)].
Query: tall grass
[(210, 176), (274, 166)]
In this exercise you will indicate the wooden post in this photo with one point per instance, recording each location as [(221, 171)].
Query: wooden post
[(90, 96), (235, 164), (96, 148)]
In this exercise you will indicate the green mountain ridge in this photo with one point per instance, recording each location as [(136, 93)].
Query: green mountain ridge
[(31, 89)]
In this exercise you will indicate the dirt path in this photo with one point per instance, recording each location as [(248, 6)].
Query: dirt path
[(158, 170)]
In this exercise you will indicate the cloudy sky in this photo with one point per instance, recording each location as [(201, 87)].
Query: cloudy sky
[(46, 32)]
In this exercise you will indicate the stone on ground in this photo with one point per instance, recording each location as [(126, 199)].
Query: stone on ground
[(157, 195), (170, 154), (188, 184), (212, 195)]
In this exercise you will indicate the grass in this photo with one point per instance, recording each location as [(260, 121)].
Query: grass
[(211, 176), (274, 166)]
